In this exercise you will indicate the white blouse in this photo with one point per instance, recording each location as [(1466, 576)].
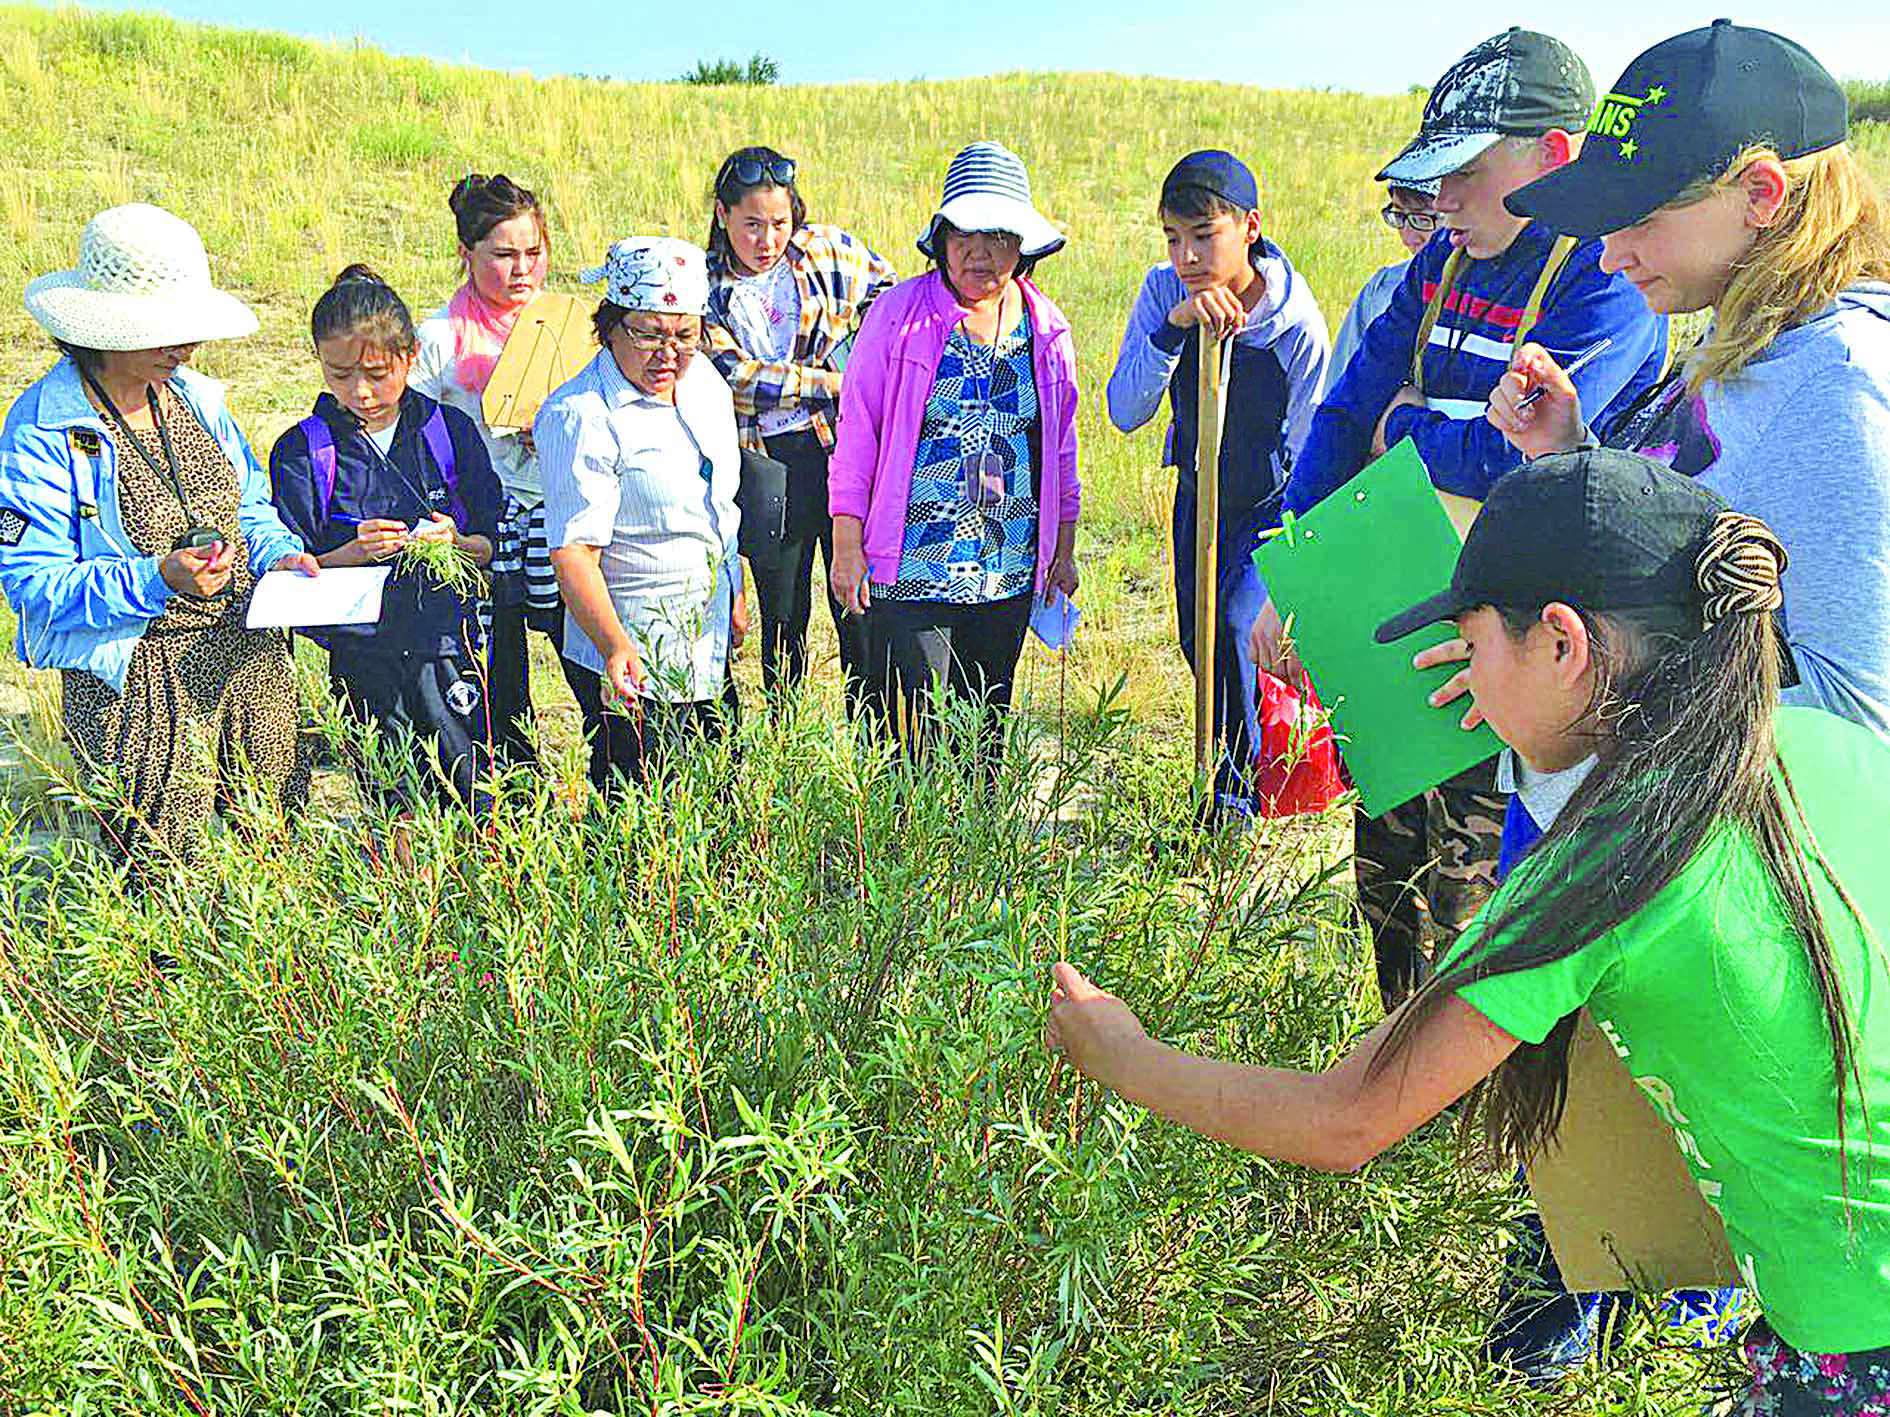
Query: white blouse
[(654, 485)]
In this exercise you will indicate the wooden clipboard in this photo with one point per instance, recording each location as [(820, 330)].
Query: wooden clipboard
[(1620, 1207), (1462, 511), (550, 342)]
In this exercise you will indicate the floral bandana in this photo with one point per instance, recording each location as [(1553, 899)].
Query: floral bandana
[(659, 274)]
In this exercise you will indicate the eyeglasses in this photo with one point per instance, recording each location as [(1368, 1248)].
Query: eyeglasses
[(1396, 218), (753, 171), (681, 344)]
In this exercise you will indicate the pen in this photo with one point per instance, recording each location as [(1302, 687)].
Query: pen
[(1580, 361)]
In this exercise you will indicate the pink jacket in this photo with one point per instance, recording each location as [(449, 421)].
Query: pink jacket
[(882, 407)]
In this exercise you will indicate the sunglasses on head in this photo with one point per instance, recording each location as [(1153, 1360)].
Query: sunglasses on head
[(753, 171), (1417, 221)]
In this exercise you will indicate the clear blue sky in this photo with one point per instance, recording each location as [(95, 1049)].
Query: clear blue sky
[(1372, 45)]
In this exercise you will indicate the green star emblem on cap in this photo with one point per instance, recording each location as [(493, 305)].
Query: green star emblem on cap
[(1656, 94), (1628, 149)]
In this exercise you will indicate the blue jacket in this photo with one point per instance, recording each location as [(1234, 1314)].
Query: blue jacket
[(404, 485), (82, 591), (1468, 353)]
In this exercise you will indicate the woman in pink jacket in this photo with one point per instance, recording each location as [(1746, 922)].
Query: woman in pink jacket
[(953, 484)]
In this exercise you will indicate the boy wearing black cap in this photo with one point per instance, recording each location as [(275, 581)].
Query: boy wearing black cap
[(1501, 116), (1224, 276)]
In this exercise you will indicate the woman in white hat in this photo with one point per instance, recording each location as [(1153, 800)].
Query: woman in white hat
[(134, 520), (953, 484), (641, 462)]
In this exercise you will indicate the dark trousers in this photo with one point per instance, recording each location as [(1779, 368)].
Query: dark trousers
[(508, 676), (967, 651), (1425, 869), (431, 713), (627, 743), (784, 582)]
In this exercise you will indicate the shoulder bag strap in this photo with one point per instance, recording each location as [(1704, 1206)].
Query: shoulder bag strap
[(1559, 253), (1446, 279)]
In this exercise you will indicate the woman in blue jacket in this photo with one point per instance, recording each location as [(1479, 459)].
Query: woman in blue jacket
[(134, 521)]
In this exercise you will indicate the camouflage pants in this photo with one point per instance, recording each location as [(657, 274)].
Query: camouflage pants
[(1423, 871)]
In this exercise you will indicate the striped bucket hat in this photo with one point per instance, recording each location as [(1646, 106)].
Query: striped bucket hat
[(987, 189)]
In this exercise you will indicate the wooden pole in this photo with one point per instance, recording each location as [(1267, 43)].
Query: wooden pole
[(1211, 408)]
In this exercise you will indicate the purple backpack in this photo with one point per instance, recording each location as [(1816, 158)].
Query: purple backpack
[(321, 452)]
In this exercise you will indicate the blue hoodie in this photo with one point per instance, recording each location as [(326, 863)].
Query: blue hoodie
[(1278, 374), (1800, 438), (83, 592), (1468, 352)]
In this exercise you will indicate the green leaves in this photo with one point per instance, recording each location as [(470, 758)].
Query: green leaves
[(730, 1098)]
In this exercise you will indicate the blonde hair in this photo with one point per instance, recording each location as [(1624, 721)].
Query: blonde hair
[(1832, 230)]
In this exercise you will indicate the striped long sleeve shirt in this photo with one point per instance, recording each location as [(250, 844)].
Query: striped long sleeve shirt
[(1468, 352), (838, 277)]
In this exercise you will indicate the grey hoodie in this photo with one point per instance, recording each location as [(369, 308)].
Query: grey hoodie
[(1801, 438)]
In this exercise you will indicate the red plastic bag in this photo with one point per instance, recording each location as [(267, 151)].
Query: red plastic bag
[(1297, 764)]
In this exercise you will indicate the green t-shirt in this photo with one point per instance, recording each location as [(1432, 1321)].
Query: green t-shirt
[(1707, 997)]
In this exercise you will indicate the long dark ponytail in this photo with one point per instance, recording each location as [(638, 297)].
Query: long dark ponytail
[(1683, 720)]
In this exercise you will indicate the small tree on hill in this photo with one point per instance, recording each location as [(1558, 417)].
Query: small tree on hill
[(759, 69)]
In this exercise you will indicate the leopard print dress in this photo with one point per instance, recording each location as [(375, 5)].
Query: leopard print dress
[(208, 710)]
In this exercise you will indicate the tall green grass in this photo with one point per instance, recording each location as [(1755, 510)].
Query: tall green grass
[(729, 1099)]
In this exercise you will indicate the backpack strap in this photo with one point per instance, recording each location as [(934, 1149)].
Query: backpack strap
[(321, 454), (1559, 253), (440, 444), (1446, 280)]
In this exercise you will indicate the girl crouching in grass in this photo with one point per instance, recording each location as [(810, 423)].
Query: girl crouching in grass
[(1709, 886), (379, 468)]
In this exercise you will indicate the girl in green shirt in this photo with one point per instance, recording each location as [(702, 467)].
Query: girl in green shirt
[(1710, 888)]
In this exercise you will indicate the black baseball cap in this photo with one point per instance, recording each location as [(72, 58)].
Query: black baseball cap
[(1600, 529), (1681, 113), (1518, 84), (1221, 173)]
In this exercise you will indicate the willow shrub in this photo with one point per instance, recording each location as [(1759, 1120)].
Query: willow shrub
[(731, 1098)]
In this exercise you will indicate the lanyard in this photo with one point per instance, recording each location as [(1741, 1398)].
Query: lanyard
[(169, 471)]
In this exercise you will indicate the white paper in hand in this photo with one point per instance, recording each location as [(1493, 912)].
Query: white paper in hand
[(345, 595), (1054, 621)]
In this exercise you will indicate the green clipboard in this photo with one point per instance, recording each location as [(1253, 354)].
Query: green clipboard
[(1378, 545)]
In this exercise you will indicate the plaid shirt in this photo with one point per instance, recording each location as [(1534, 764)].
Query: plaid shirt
[(838, 276)]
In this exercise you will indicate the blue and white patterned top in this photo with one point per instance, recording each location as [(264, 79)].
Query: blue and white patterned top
[(984, 398)]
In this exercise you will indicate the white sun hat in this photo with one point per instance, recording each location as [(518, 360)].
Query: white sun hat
[(143, 282), (987, 189)]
